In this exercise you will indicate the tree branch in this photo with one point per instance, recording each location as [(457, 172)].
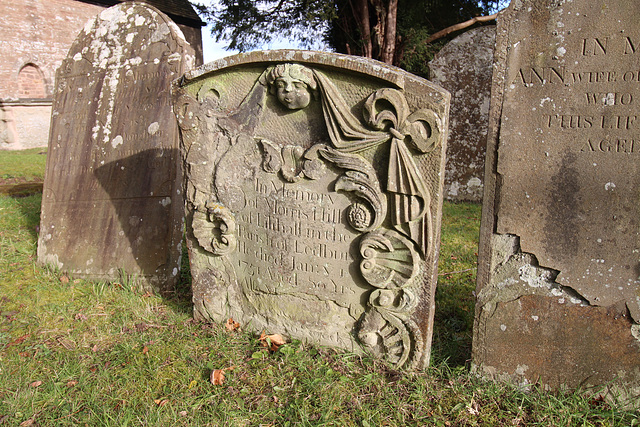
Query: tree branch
[(460, 26)]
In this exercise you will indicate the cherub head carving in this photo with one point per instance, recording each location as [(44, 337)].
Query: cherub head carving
[(293, 84)]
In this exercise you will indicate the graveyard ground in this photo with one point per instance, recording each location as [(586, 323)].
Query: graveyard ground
[(75, 352)]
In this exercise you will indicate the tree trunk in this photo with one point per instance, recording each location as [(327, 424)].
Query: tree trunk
[(389, 43), (362, 17)]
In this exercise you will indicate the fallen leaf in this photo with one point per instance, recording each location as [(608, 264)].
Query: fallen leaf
[(145, 350), (24, 354), (72, 383), (64, 279), (80, 317), (94, 348), (232, 325), (161, 402), (217, 377), (36, 384), (272, 342), (182, 413), (27, 423)]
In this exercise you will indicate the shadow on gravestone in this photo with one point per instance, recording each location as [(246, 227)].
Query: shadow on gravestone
[(125, 180), (112, 106), (314, 196)]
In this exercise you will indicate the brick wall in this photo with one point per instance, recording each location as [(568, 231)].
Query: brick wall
[(37, 34)]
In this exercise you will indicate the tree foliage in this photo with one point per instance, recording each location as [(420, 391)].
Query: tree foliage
[(392, 31)]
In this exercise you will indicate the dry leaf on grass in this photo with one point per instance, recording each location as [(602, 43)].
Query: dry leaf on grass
[(217, 375), (72, 383), (145, 350), (36, 384), (161, 402), (64, 279), (27, 423), (272, 342), (232, 325)]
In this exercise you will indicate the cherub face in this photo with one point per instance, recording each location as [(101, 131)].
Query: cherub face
[(292, 93)]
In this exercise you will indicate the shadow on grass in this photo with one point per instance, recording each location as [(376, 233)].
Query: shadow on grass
[(29, 205)]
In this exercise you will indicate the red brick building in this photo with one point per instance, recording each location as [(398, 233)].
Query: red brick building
[(35, 36)]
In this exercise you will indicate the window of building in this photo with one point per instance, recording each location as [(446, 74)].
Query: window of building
[(31, 82)]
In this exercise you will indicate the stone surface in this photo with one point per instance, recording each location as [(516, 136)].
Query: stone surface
[(463, 67), (24, 124), (35, 36), (558, 287), (112, 195), (314, 192)]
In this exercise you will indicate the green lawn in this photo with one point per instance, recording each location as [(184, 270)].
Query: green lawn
[(75, 352)]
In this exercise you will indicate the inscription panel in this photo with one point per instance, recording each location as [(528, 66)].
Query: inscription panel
[(113, 151), (570, 158)]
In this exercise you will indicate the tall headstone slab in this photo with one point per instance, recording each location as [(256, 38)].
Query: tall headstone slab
[(112, 197), (314, 193), (464, 67), (558, 289)]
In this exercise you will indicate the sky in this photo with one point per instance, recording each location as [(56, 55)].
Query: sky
[(213, 50)]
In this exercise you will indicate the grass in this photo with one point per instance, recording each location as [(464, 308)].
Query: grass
[(23, 165), (75, 352)]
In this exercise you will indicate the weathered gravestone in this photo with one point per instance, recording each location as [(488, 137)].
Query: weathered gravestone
[(558, 289), (314, 192), (112, 195), (463, 67)]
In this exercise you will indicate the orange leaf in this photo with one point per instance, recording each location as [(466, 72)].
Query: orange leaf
[(145, 350), (36, 384), (272, 342), (72, 383), (161, 402), (217, 377), (232, 325), (64, 279)]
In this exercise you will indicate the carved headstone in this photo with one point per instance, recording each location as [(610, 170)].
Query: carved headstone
[(314, 192), (463, 67), (112, 194), (558, 289)]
